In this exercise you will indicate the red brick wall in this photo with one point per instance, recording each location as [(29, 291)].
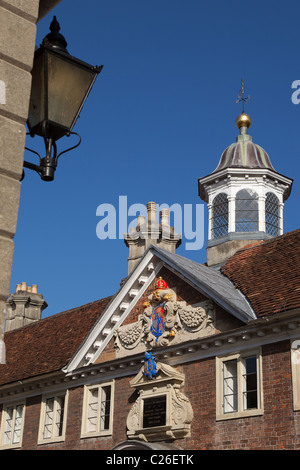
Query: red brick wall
[(124, 399), (277, 428), (31, 422)]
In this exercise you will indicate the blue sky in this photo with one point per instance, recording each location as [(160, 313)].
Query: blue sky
[(159, 116)]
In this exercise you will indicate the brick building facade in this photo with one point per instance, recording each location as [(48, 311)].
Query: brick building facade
[(185, 356)]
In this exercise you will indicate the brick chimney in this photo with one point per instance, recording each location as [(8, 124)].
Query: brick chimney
[(24, 306), (150, 232)]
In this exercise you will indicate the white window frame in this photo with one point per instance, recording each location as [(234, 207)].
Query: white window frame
[(98, 415), (56, 410), (295, 363), (240, 359), (4, 421)]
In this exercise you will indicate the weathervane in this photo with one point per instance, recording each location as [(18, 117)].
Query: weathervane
[(242, 95)]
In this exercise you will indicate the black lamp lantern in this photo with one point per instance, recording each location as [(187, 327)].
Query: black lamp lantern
[(60, 86)]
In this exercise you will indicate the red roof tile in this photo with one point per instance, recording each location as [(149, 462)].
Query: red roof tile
[(47, 345), (268, 273)]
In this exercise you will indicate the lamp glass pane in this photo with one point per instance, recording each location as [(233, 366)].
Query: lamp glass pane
[(36, 112), (68, 85)]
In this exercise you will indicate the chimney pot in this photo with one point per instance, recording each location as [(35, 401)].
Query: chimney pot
[(164, 216), (151, 209), (151, 233), (140, 220)]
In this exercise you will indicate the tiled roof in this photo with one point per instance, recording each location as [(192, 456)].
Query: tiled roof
[(268, 273), (47, 345), (210, 282)]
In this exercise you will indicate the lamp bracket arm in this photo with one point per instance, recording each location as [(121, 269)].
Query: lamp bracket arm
[(71, 148), (30, 166), (33, 151)]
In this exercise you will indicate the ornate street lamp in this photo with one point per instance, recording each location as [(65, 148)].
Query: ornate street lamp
[(60, 86)]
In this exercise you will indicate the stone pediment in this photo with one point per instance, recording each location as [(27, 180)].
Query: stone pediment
[(165, 321), (164, 374)]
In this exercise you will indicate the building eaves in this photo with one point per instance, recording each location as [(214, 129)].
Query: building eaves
[(268, 274), (46, 346), (211, 283)]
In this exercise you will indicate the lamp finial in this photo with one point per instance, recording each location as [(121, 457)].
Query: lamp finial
[(54, 26), (54, 38)]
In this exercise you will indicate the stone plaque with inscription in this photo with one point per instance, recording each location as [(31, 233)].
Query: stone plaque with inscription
[(155, 411), (161, 411)]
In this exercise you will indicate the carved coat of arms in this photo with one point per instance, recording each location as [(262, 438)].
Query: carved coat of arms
[(165, 320), (158, 320)]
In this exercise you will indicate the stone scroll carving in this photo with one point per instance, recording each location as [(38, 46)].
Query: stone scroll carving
[(164, 321), (173, 419)]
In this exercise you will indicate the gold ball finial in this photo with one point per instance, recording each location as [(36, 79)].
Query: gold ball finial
[(243, 120)]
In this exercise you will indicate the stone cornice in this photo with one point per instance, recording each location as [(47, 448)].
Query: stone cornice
[(266, 330)]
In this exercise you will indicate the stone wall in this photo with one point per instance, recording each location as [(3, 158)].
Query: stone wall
[(17, 43)]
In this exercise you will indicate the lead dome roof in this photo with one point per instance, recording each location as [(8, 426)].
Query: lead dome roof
[(244, 153)]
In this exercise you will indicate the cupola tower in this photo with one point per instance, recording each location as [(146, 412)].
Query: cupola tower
[(245, 197)]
